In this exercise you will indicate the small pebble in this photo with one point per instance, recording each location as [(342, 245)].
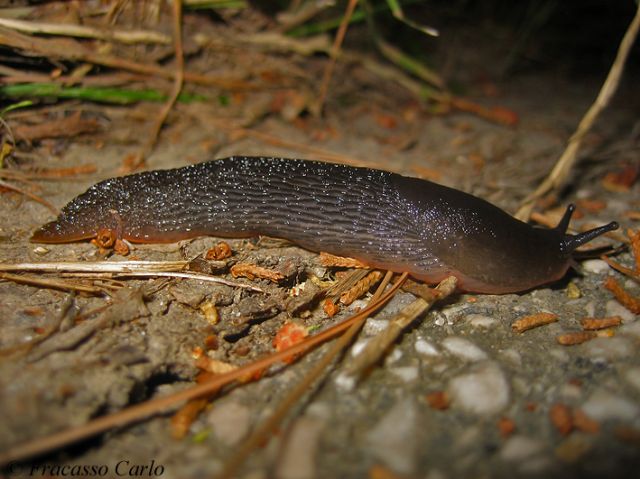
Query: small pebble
[(393, 439), (590, 309), (374, 326), (513, 356), (463, 349), (614, 308), (480, 321), (603, 405), (405, 373), (453, 311), (559, 355), (609, 348), (393, 356), (297, 458), (518, 448), (230, 422), (426, 348), (632, 376), (596, 266), (357, 348), (483, 391), (570, 392)]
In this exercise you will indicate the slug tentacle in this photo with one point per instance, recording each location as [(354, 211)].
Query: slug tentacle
[(563, 225), (571, 242), (383, 219)]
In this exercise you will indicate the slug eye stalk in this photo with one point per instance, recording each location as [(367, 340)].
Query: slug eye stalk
[(571, 242)]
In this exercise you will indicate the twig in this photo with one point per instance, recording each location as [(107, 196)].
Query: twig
[(131, 36), (51, 283), (261, 434), (40, 200), (141, 411), (563, 166), (178, 81), (335, 49)]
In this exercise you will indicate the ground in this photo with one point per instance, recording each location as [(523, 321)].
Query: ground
[(460, 394)]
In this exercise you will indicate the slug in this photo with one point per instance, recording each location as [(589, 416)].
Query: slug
[(383, 219)]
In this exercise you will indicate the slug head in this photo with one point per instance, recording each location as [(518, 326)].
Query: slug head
[(570, 242)]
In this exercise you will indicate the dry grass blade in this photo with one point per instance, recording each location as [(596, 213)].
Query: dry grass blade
[(155, 406), (132, 36), (563, 166), (98, 266), (170, 269)]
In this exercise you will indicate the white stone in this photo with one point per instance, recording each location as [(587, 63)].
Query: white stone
[(570, 392), (393, 439), (405, 373), (374, 326), (394, 356), (357, 348), (426, 348), (518, 448), (590, 309), (609, 348), (230, 422), (297, 460), (483, 391), (463, 349), (613, 308), (603, 405), (513, 356), (480, 321), (596, 266)]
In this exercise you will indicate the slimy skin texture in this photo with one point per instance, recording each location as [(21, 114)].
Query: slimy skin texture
[(383, 219)]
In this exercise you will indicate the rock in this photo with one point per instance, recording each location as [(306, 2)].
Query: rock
[(481, 321), (230, 422), (463, 349), (613, 308), (609, 348), (405, 373), (603, 405), (484, 391), (426, 348), (596, 266), (518, 448), (297, 458), (393, 439)]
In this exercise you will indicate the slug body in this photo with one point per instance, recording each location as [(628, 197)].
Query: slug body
[(383, 219)]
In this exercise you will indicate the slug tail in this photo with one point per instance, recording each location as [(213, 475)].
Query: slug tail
[(571, 242)]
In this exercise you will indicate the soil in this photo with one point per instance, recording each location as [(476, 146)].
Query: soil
[(142, 346)]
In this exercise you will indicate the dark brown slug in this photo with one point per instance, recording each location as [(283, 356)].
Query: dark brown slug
[(383, 219)]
